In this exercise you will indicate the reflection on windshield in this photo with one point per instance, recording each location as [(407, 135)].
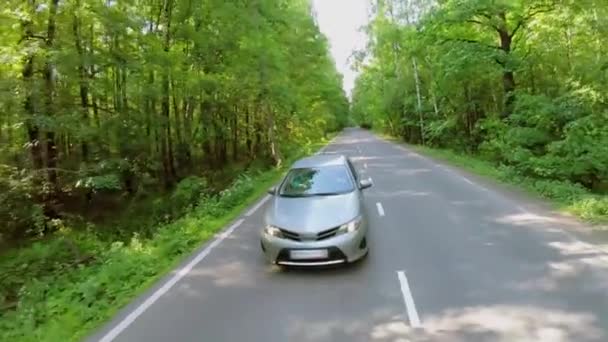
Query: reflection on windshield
[(327, 180)]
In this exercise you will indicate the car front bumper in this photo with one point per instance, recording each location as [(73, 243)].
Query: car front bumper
[(341, 249)]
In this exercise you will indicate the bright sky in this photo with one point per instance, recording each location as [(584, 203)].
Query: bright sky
[(340, 21)]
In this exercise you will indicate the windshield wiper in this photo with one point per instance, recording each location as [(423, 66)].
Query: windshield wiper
[(314, 195), (294, 195), (327, 194)]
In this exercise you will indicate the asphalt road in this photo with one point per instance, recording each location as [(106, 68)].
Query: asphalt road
[(452, 258)]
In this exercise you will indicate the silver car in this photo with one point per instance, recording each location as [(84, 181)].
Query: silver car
[(316, 216)]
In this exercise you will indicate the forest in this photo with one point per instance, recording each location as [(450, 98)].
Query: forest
[(119, 117), (520, 84)]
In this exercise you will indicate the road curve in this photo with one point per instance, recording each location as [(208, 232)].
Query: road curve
[(451, 259)]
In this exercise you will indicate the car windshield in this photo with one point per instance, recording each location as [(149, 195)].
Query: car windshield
[(317, 181)]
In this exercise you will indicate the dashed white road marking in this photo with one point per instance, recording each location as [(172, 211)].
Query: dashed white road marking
[(124, 324), (408, 299), (380, 208), (365, 166), (257, 206)]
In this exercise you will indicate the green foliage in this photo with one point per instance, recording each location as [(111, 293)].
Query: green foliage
[(107, 182), (188, 192), (21, 214), (130, 114), (518, 83), (62, 288), (127, 98), (566, 195), (64, 295)]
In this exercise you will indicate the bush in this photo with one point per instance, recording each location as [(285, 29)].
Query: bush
[(591, 207), (102, 183), (582, 155), (20, 215), (554, 139), (562, 191), (61, 294), (188, 193)]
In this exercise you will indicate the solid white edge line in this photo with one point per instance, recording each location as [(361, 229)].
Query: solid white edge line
[(467, 180), (482, 188), (408, 299), (380, 209), (324, 148), (257, 206), (127, 321)]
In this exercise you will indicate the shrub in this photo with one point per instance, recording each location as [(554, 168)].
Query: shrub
[(188, 192), (20, 215), (102, 183), (591, 207), (583, 153)]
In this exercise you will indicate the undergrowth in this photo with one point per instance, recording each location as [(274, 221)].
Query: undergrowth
[(567, 196), (63, 287)]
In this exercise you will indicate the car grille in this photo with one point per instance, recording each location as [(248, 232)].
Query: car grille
[(326, 234)]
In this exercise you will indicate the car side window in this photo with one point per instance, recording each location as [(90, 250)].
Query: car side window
[(352, 170)]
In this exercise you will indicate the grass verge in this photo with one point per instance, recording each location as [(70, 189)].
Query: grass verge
[(565, 196), (73, 282)]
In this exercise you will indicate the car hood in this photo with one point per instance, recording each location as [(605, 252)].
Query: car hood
[(312, 214)]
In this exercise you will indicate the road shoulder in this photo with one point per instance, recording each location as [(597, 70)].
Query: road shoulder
[(541, 209)]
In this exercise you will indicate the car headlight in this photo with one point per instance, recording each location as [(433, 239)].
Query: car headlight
[(273, 231), (350, 226)]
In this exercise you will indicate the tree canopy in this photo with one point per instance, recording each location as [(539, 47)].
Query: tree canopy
[(523, 83), (131, 95)]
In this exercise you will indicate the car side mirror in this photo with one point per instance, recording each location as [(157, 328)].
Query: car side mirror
[(365, 183), (272, 191)]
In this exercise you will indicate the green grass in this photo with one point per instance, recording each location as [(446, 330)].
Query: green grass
[(565, 196), (73, 282)]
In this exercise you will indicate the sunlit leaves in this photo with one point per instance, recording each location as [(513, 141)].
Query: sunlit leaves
[(555, 128)]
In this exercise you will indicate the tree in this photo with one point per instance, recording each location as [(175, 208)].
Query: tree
[(469, 55), (132, 96)]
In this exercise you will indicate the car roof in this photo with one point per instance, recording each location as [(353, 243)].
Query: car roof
[(320, 160)]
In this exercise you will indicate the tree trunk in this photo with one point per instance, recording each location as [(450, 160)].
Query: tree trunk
[(123, 90), (248, 140), (187, 134), (49, 71), (258, 129), (235, 137), (33, 131), (223, 137), (435, 106), (177, 115), (508, 80), (419, 98), (508, 77), (84, 84), (568, 35), (166, 141), (275, 154), (91, 73), (204, 116)]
